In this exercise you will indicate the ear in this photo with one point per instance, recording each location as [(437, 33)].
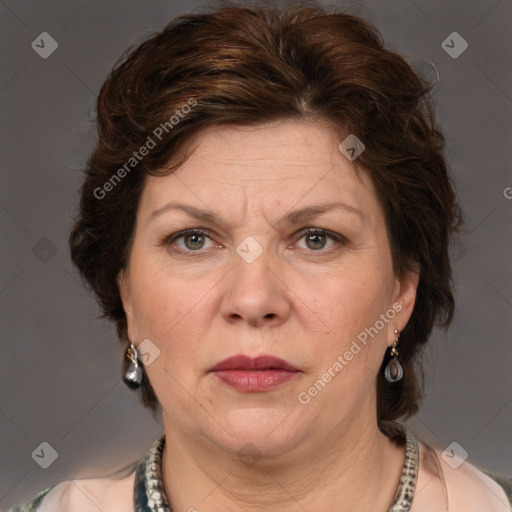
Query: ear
[(404, 298), (123, 284)]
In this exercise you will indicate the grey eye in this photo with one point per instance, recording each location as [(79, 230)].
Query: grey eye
[(194, 241), (316, 241)]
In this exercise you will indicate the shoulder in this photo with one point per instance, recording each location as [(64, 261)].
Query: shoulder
[(469, 488), (466, 488), (89, 494)]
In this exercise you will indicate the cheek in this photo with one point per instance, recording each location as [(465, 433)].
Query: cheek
[(349, 303), (164, 314), (347, 310), (172, 313), (156, 307), (160, 299)]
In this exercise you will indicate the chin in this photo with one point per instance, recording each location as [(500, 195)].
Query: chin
[(258, 432)]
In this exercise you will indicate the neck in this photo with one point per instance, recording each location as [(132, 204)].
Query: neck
[(357, 468)]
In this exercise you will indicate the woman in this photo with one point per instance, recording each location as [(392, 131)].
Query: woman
[(266, 219)]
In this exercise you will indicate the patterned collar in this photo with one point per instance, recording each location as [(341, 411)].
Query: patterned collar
[(149, 493)]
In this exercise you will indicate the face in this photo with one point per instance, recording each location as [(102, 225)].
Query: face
[(286, 256)]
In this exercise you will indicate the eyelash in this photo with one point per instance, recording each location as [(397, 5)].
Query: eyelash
[(336, 237)]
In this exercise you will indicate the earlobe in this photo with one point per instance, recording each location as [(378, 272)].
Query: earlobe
[(123, 285), (405, 298), (408, 288)]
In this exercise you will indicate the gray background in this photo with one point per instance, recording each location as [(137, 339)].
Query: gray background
[(60, 366)]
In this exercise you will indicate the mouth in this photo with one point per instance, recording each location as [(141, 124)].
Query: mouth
[(254, 375), (260, 363)]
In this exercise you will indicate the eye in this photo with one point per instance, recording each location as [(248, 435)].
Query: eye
[(190, 240), (193, 240), (316, 239)]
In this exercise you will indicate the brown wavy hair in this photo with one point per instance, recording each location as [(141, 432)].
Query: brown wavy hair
[(247, 65)]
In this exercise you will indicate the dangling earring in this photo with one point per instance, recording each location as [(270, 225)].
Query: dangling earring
[(394, 371), (133, 375)]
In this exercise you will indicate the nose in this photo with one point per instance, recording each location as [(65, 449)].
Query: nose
[(255, 293)]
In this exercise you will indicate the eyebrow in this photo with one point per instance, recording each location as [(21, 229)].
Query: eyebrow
[(293, 217)]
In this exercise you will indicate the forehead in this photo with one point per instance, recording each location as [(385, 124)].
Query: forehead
[(285, 161)]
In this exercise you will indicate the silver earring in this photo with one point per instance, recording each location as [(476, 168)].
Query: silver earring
[(133, 375), (394, 371)]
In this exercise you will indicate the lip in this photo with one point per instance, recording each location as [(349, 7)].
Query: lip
[(264, 362), (254, 374)]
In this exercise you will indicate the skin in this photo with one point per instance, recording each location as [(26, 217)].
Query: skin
[(303, 302)]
